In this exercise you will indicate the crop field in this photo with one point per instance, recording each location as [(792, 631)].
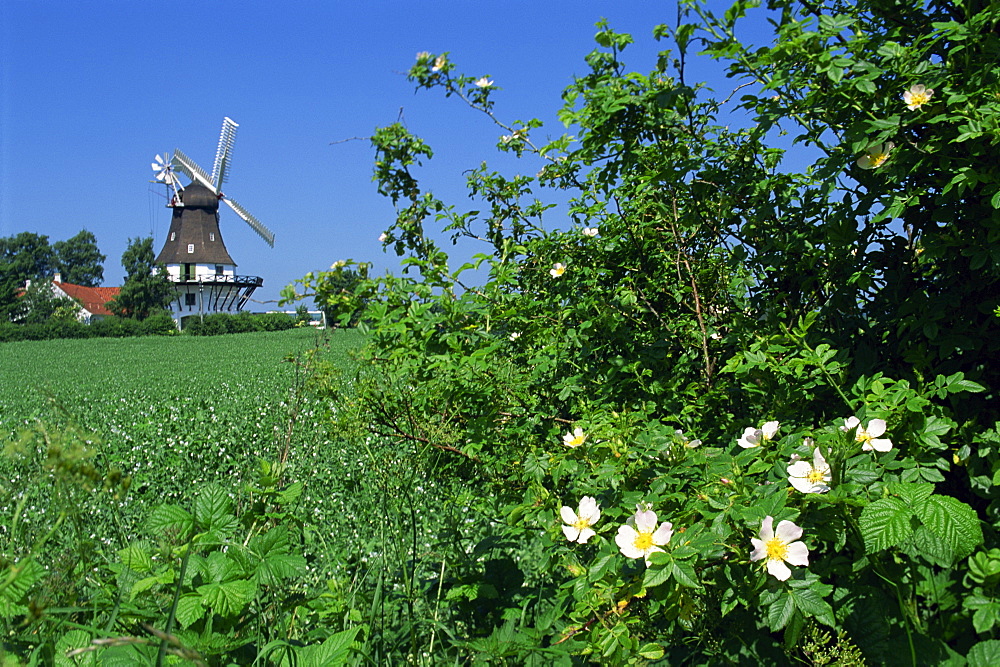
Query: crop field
[(172, 413), (165, 418)]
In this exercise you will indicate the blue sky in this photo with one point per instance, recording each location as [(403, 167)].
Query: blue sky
[(91, 92)]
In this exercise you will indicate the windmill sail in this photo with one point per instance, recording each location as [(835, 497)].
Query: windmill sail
[(224, 152), (190, 168), (254, 223)]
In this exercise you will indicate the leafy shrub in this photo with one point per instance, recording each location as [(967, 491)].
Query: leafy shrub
[(47, 330), (218, 324), (159, 324), (722, 405), (116, 327), (274, 321)]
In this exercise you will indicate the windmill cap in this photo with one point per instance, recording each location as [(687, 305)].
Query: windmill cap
[(197, 195)]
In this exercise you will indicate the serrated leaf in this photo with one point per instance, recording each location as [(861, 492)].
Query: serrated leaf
[(953, 521), (651, 652), (885, 523), (274, 540), (334, 651), (189, 609), (935, 549), (912, 494), (276, 567), (136, 557), (220, 567), (291, 494), (213, 511), (985, 617), (229, 598), (984, 654), (171, 521), (780, 611), (144, 585), (810, 603), (128, 656), (654, 576), (684, 573), (72, 640), (10, 609), (19, 577), (465, 591)]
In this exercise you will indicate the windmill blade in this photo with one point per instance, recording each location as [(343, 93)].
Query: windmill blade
[(254, 223), (162, 167), (191, 169), (224, 153)]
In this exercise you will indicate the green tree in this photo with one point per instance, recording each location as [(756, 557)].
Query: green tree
[(27, 256), (147, 288), (79, 260), (342, 282)]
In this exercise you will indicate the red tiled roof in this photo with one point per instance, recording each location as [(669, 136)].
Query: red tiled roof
[(94, 299)]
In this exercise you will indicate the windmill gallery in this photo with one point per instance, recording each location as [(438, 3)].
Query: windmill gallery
[(198, 264)]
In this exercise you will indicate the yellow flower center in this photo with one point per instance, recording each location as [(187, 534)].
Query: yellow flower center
[(643, 541), (776, 549), (878, 158), (576, 440), (815, 476), (863, 436), (581, 523), (919, 99)]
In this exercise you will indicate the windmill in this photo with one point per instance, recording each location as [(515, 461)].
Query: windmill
[(203, 272), (165, 168)]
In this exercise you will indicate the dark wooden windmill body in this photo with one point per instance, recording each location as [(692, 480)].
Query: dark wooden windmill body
[(197, 261)]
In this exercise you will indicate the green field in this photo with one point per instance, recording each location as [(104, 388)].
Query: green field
[(174, 412), (179, 415)]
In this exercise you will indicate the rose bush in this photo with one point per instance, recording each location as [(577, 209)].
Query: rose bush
[(725, 287)]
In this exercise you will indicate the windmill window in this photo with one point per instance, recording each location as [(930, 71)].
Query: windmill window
[(189, 299), (211, 236), (218, 269), (173, 236), (190, 247)]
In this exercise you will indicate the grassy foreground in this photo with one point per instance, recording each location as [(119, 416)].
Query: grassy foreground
[(183, 418)]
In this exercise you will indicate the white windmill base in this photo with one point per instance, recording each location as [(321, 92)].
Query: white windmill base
[(204, 289)]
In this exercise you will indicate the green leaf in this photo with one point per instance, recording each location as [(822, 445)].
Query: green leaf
[(213, 510), (144, 585), (885, 523), (953, 521), (128, 656), (684, 573), (171, 521), (276, 567), (912, 494), (229, 598), (654, 576), (780, 611), (189, 609), (928, 544), (18, 578), (984, 654), (273, 541), (291, 494), (334, 651), (136, 557), (651, 651), (985, 617), (72, 640)]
